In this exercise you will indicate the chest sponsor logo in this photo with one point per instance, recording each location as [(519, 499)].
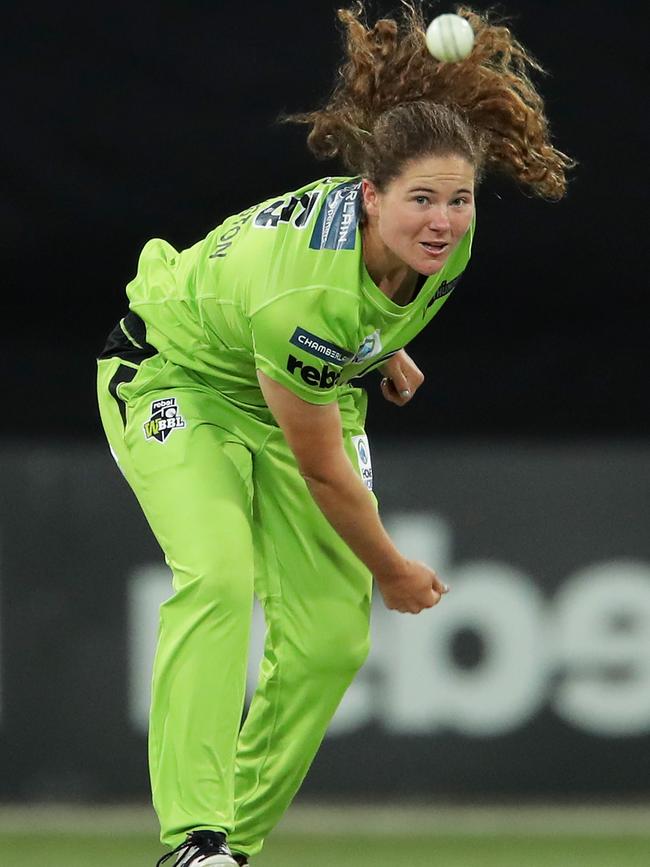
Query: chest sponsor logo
[(370, 346), (319, 347), (336, 226), (321, 377), (362, 449), (165, 418)]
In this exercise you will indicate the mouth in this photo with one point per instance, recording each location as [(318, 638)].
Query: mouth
[(434, 248)]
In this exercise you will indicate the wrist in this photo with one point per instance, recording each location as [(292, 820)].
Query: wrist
[(391, 569)]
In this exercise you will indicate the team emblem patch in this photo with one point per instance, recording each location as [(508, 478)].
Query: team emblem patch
[(165, 417), (370, 347), (362, 449)]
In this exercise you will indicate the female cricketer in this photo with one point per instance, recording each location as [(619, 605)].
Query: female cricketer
[(226, 395)]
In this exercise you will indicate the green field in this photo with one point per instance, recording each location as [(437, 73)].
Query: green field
[(497, 838), (85, 850)]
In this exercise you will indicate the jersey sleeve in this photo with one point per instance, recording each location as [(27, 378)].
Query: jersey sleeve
[(303, 340)]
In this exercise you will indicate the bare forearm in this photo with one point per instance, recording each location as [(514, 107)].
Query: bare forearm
[(314, 434), (346, 503)]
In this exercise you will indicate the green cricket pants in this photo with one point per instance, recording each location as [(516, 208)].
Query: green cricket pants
[(222, 493)]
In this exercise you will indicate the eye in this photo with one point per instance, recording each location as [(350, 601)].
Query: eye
[(421, 200), (461, 200)]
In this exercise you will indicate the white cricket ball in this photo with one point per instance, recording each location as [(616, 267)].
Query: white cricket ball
[(450, 38)]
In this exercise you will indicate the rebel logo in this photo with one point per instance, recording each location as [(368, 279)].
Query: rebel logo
[(323, 377), (165, 417)]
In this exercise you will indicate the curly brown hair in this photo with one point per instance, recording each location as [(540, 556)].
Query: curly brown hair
[(394, 102)]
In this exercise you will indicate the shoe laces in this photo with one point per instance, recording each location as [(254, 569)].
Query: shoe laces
[(205, 843)]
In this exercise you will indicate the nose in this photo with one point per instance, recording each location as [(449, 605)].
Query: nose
[(439, 219)]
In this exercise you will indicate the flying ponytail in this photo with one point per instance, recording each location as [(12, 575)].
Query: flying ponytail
[(394, 102)]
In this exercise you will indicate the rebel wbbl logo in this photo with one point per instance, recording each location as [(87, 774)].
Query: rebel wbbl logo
[(165, 417)]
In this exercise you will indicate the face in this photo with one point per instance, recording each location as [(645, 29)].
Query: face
[(423, 213)]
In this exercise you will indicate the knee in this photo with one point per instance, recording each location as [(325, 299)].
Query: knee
[(214, 588), (337, 644), (229, 592), (355, 654)]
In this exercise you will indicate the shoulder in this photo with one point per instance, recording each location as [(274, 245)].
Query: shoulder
[(309, 247), (338, 216), (325, 212)]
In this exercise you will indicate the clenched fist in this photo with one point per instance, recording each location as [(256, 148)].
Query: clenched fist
[(401, 378), (412, 589)]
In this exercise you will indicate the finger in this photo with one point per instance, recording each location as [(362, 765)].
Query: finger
[(391, 394), (388, 391), (424, 602), (401, 383), (416, 377), (439, 586), (399, 377)]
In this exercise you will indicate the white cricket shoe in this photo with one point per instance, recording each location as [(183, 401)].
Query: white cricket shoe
[(201, 849)]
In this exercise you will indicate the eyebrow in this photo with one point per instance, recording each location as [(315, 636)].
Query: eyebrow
[(431, 190)]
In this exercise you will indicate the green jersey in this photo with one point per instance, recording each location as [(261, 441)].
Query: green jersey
[(282, 287)]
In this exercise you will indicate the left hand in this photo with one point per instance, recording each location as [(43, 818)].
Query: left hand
[(401, 378)]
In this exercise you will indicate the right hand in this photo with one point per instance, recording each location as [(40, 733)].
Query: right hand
[(414, 588), (315, 436)]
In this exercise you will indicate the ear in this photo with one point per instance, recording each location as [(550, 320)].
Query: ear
[(370, 197)]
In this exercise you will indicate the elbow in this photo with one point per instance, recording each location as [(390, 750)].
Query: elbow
[(316, 475), (322, 466), (317, 471)]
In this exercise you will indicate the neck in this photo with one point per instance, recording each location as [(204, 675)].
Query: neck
[(392, 276)]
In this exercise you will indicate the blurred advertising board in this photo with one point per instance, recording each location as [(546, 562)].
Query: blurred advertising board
[(532, 678)]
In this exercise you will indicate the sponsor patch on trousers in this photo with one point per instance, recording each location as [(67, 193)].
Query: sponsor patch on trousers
[(320, 347), (362, 449), (165, 418)]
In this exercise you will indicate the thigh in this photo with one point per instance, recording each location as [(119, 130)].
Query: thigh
[(191, 475)]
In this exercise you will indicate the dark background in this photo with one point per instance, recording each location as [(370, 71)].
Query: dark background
[(131, 120)]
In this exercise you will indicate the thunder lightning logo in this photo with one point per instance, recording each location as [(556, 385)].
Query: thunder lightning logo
[(165, 417)]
